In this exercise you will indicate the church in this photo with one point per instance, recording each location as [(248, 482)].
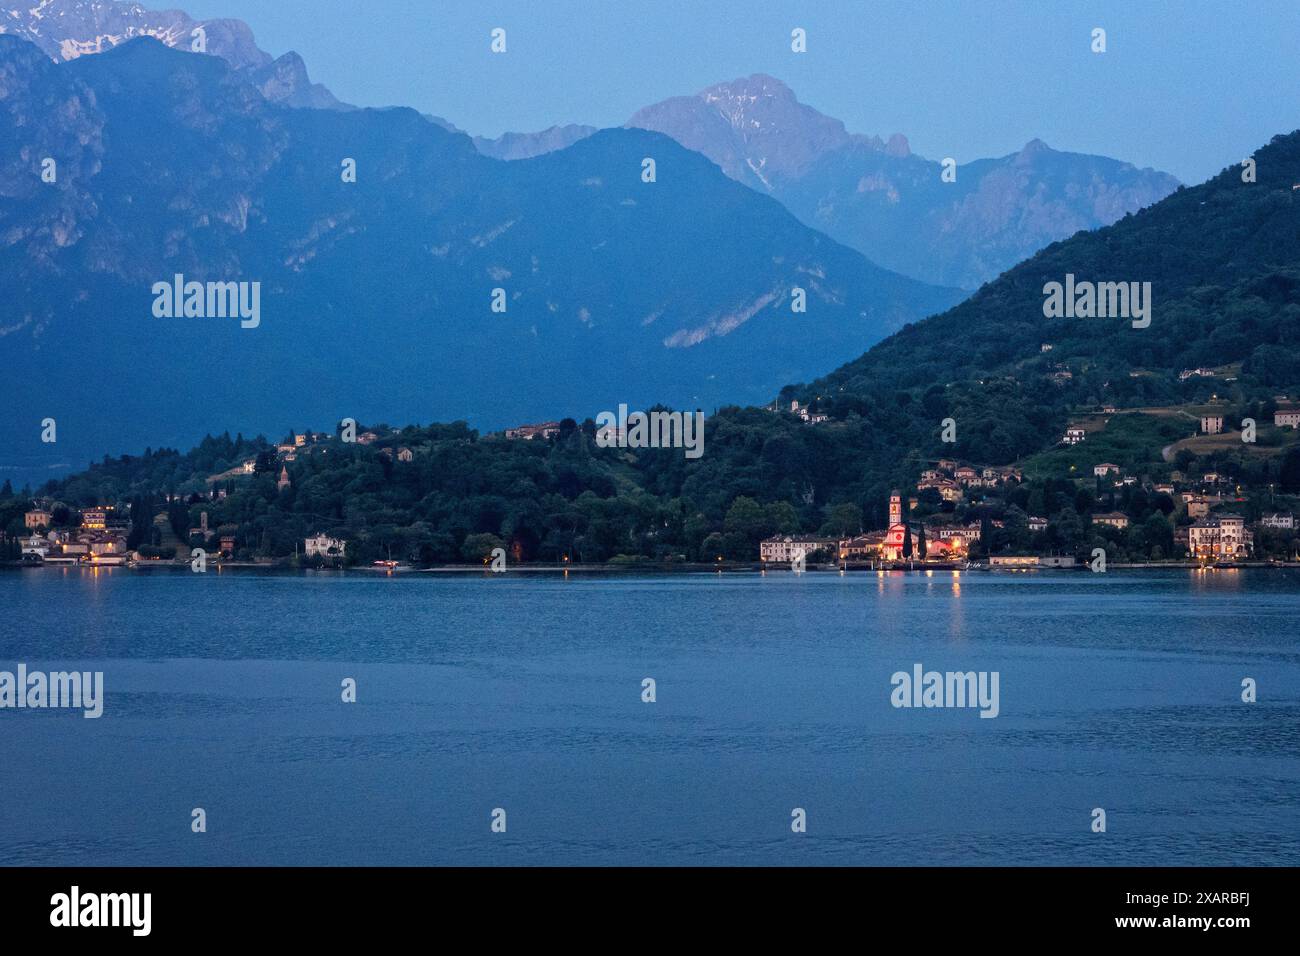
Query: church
[(945, 542), (891, 549)]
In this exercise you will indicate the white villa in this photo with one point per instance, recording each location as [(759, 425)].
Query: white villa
[(325, 546), (786, 547)]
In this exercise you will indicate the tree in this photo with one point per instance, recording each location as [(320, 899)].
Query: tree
[(712, 547), (844, 520), (907, 541), (141, 523), (1289, 475), (1159, 535), (1085, 500), (782, 518), (478, 547), (920, 542), (747, 519)]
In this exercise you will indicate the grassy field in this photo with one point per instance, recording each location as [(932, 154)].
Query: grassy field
[(1128, 439), (1144, 441), (1269, 441)]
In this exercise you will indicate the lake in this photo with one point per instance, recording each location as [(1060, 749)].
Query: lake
[(1120, 691)]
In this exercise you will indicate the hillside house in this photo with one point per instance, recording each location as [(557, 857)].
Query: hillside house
[(1287, 418)]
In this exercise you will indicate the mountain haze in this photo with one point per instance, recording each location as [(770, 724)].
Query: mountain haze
[(890, 204), (528, 145), (871, 194), (67, 29), (376, 295)]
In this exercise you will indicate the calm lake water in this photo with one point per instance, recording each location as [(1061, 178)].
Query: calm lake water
[(222, 691)]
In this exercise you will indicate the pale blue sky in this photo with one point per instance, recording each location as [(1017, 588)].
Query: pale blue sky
[(1187, 87)]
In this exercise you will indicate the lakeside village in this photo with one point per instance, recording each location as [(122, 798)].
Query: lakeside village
[(1205, 531), (944, 522)]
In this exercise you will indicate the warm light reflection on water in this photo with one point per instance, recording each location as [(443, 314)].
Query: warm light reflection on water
[(1211, 579)]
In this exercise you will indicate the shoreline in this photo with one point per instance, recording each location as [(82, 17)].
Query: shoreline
[(171, 567)]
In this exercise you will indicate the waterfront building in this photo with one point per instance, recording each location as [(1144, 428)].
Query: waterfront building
[(863, 547), (1220, 537), (784, 548), (324, 545)]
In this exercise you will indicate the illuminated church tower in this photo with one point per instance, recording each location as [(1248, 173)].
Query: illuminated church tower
[(891, 549)]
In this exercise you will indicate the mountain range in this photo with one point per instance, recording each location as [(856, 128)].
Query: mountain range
[(877, 196), (68, 29), (617, 290), (869, 193), (377, 295), (892, 205), (1223, 271)]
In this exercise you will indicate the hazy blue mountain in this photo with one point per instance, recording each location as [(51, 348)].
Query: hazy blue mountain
[(890, 204), (528, 145), (753, 128), (67, 29), (375, 295), (869, 193)]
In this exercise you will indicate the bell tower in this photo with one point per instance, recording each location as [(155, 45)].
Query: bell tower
[(895, 509)]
